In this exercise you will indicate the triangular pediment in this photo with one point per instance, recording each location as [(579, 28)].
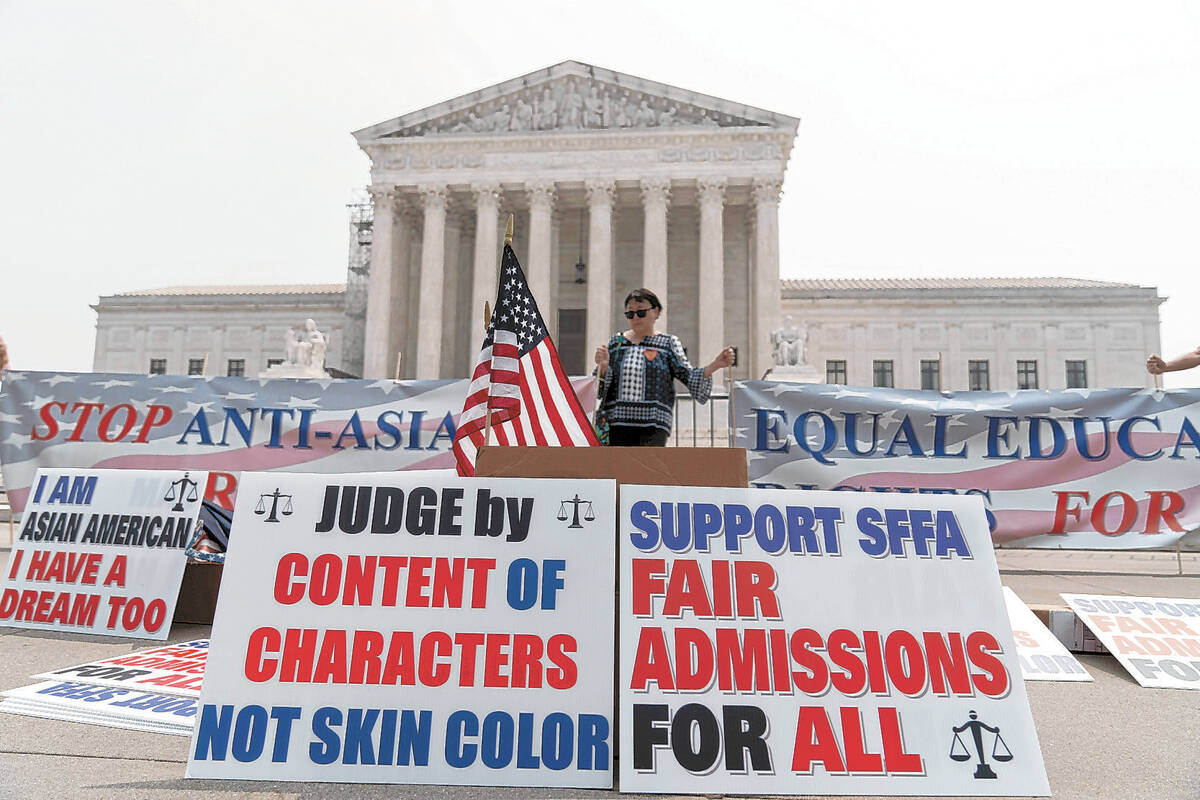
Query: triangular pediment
[(573, 96)]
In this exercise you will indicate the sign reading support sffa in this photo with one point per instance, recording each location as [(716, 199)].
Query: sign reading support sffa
[(1156, 638), (101, 551), (413, 628), (789, 642)]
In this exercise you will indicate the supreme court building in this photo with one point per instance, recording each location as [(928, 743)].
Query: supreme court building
[(636, 182), (617, 182)]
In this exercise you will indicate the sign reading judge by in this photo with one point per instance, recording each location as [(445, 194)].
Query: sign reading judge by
[(101, 551), (413, 628), (816, 642)]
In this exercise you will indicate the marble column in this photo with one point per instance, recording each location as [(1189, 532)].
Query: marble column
[(401, 291), (599, 269), (377, 333), (656, 195), (538, 270), (764, 281), (487, 259), (551, 314), (433, 265), (712, 270), (451, 308)]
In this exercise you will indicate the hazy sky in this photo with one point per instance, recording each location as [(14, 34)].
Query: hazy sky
[(147, 144)]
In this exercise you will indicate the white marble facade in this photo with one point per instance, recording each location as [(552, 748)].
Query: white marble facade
[(1004, 325), (646, 184), (212, 330)]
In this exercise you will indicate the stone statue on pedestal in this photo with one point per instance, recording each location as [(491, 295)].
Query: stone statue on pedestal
[(788, 344), (305, 351)]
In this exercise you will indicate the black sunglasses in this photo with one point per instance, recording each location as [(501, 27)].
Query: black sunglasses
[(641, 312)]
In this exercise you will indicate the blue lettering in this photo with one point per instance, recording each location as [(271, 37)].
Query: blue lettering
[(1125, 438), (641, 516), (764, 426), (997, 437), (199, 426), (387, 428), (828, 442)]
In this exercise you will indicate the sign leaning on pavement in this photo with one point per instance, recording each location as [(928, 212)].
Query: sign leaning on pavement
[(413, 628), (1042, 657), (171, 669), (227, 425), (1076, 468), (101, 551), (787, 642), (1157, 639), (102, 705)]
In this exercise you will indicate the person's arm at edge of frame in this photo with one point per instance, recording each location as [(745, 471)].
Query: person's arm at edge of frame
[(1155, 364)]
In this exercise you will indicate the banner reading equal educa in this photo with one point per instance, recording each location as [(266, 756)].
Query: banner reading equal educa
[(413, 628), (101, 551), (789, 642), (1069, 468)]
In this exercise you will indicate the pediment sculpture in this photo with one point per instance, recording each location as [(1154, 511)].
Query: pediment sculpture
[(574, 103)]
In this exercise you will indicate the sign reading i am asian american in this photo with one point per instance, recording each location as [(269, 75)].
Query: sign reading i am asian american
[(1157, 639), (413, 628), (101, 551), (789, 642)]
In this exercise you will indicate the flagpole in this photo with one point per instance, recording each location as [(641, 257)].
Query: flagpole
[(487, 320)]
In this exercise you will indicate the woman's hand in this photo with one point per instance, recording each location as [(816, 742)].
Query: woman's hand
[(602, 359), (723, 359)]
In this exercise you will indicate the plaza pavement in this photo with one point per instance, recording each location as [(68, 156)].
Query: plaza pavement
[(1107, 739)]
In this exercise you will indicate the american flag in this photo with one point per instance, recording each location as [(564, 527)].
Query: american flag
[(519, 378)]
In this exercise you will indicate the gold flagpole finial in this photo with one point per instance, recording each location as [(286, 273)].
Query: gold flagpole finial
[(487, 314), (508, 232)]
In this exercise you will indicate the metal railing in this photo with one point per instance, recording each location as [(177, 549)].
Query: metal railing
[(701, 425)]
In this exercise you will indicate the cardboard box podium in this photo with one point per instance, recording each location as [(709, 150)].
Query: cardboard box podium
[(656, 466)]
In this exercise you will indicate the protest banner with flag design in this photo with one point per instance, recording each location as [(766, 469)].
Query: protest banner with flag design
[(518, 380)]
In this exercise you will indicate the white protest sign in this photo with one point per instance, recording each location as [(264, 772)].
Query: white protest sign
[(1042, 656), (789, 642), (1157, 639), (413, 628), (101, 551), (102, 705), (170, 669)]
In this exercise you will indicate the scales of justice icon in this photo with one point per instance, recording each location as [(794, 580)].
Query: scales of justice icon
[(181, 491), (275, 496), (588, 513), (1000, 751)]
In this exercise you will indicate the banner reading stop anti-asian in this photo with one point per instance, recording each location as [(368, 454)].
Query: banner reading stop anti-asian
[(226, 425), (1077, 468), (789, 642), (413, 628)]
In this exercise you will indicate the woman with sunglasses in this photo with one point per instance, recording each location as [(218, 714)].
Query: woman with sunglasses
[(637, 371)]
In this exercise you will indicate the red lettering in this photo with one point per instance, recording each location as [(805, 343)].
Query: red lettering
[(106, 420), (469, 642), (755, 584), (366, 658), (1162, 507), (854, 678), (559, 648), (897, 761), (1062, 511), (434, 645), (418, 580), (220, 488), (947, 663), (258, 667), (526, 661), (980, 647), (47, 417), (815, 742), (649, 581), (694, 660), (287, 589), (1128, 514), (156, 416), (803, 646), (495, 658), (905, 662)]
